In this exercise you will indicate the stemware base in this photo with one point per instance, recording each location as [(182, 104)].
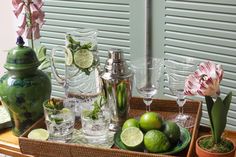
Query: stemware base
[(147, 102), (185, 120)]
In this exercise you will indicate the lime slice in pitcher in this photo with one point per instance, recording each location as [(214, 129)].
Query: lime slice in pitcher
[(39, 134), (68, 57), (83, 58)]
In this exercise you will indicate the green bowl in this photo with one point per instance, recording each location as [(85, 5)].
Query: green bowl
[(184, 141)]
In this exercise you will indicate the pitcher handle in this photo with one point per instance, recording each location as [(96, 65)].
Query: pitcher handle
[(59, 79)]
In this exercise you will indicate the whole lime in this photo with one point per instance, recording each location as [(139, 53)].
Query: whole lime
[(156, 142), (149, 121), (172, 131), (132, 122)]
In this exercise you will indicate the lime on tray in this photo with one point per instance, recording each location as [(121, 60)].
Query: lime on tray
[(132, 138), (156, 141), (39, 134), (149, 121), (132, 122), (172, 131), (83, 58)]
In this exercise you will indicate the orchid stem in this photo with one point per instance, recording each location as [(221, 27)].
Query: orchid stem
[(32, 42), (30, 24)]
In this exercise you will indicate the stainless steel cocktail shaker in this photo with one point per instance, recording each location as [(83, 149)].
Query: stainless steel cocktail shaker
[(118, 80)]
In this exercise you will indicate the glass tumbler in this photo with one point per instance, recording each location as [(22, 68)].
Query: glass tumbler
[(59, 120), (95, 119)]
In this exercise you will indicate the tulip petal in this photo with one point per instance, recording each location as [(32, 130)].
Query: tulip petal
[(219, 71), (38, 3), (40, 19), (21, 24), (29, 32), (34, 11), (36, 32), (16, 3), (18, 10), (20, 31)]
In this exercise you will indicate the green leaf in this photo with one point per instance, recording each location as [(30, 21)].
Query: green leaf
[(227, 101), (41, 53), (219, 118), (209, 104), (44, 65)]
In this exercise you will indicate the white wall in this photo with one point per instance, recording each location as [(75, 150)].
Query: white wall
[(7, 31)]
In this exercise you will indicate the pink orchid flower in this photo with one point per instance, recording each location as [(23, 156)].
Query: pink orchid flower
[(205, 81), (31, 10)]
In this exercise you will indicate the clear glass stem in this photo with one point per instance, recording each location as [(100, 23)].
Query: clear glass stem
[(181, 110), (147, 102), (181, 116), (181, 101)]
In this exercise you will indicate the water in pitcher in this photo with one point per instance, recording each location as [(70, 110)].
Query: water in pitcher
[(81, 79)]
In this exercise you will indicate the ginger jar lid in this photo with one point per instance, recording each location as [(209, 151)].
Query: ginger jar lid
[(21, 57)]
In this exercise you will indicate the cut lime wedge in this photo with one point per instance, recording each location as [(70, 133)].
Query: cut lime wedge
[(68, 57), (39, 134), (65, 110), (132, 137), (83, 58)]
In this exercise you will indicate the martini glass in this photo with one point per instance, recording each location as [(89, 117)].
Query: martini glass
[(177, 72), (146, 77)]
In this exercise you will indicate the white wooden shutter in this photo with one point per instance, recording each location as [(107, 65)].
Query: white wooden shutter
[(205, 29), (118, 22)]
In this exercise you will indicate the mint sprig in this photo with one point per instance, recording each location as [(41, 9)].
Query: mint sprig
[(97, 108), (75, 46), (54, 104)]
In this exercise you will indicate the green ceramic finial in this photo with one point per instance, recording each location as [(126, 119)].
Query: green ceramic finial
[(20, 41)]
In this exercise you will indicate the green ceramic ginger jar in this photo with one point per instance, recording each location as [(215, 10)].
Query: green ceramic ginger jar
[(24, 88)]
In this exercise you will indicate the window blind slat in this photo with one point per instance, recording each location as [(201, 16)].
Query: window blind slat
[(96, 5), (86, 11)]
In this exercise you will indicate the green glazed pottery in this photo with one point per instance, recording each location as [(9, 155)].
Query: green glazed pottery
[(24, 88)]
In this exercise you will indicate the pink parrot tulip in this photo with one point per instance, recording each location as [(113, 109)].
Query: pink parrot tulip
[(205, 81)]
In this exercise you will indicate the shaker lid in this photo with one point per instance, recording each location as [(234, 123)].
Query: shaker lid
[(116, 66), (21, 57)]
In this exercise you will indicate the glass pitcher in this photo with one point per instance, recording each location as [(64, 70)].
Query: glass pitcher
[(81, 78)]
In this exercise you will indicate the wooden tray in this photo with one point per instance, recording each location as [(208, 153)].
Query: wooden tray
[(164, 107)]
